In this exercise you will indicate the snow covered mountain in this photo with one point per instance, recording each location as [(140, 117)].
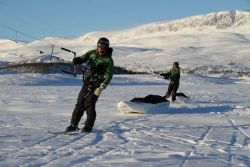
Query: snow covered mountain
[(226, 21), (211, 128), (207, 42)]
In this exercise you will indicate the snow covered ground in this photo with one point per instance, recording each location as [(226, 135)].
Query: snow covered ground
[(211, 129)]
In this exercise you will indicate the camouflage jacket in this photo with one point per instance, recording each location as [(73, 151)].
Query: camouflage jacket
[(100, 67), (174, 75)]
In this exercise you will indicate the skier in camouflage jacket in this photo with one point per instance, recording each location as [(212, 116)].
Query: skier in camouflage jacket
[(96, 77)]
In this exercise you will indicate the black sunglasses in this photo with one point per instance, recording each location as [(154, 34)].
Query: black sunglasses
[(101, 45)]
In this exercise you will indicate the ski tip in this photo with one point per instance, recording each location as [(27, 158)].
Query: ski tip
[(72, 133)]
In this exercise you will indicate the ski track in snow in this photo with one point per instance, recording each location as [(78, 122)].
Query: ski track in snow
[(129, 132), (201, 130)]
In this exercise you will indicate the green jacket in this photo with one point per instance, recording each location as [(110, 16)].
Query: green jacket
[(174, 75), (100, 67)]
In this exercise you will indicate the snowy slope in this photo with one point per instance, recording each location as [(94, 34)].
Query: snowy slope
[(226, 21), (212, 129)]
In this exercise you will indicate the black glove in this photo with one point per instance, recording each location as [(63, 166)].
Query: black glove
[(77, 60), (165, 76)]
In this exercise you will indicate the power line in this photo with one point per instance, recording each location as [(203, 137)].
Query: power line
[(24, 16), (31, 18), (33, 37), (25, 34), (14, 54), (20, 32)]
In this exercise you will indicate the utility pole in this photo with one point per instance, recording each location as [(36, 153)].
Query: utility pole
[(51, 53)]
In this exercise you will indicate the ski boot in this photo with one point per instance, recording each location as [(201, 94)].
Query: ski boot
[(86, 129), (71, 129)]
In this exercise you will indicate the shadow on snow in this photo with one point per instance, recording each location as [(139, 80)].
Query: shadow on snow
[(193, 110)]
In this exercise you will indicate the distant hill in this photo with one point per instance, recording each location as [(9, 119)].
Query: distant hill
[(225, 21), (207, 43)]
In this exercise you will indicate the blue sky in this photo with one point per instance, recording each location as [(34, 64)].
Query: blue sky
[(73, 18)]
